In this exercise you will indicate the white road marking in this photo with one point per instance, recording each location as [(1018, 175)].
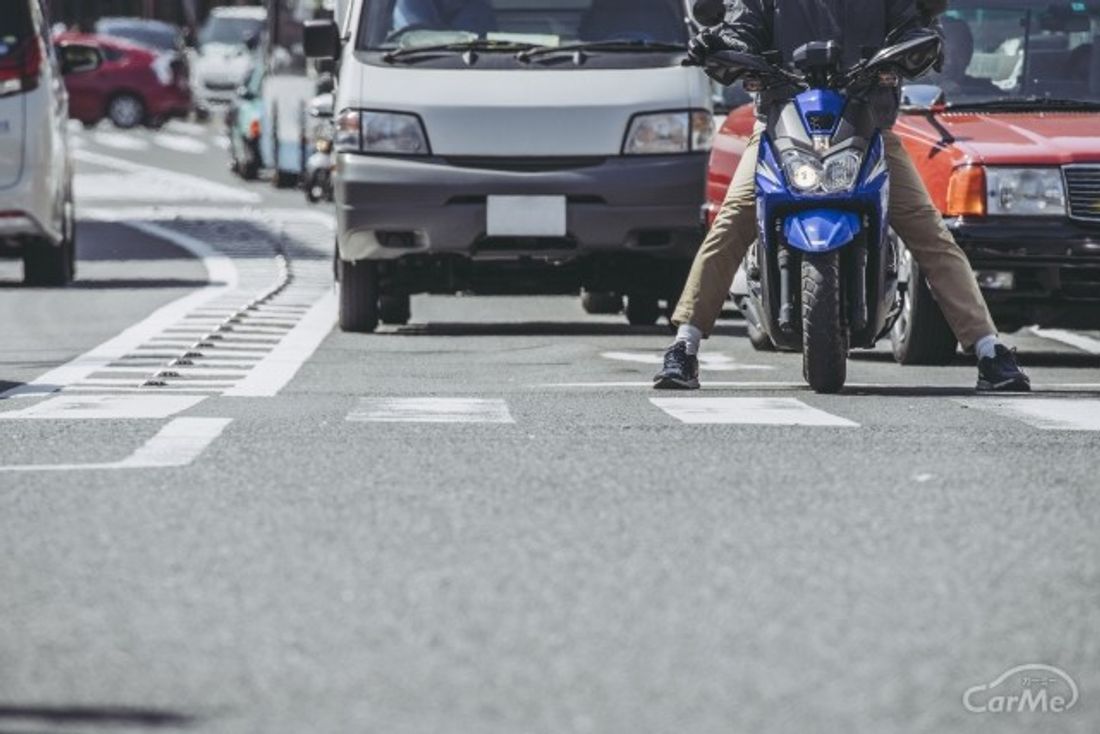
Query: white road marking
[(1047, 414), (1080, 341), (278, 368), (220, 270), (430, 410), (180, 143), (104, 407), (649, 384), (176, 445), (748, 411), (714, 362), (120, 141), (149, 183), (187, 128)]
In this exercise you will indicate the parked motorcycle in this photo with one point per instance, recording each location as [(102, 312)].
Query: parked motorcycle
[(823, 275), (319, 165)]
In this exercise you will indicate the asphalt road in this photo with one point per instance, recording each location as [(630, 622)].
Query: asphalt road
[(483, 522)]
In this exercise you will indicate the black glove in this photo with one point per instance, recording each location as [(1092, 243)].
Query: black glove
[(710, 41)]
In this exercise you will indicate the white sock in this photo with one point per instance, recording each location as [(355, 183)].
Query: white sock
[(690, 336), (986, 347)]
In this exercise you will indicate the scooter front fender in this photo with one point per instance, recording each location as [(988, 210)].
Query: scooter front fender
[(821, 230)]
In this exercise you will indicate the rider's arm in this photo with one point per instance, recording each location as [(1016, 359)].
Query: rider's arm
[(748, 25), (909, 18)]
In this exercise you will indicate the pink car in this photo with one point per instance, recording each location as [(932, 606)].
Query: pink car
[(135, 85)]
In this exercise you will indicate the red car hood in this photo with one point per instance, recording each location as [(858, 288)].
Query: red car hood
[(1031, 138)]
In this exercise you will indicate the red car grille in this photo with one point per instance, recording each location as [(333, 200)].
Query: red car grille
[(1083, 187)]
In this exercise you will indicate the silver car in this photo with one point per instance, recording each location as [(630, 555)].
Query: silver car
[(36, 193)]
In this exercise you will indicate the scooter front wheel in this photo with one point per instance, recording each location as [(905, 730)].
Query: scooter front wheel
[(824, 338)]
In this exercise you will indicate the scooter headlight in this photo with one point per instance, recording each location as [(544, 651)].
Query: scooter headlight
[(804, 171), (841, 171)]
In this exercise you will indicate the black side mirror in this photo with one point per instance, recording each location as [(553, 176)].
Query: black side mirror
[(243, 92), (708, 13), (79, 58), (321, 39)]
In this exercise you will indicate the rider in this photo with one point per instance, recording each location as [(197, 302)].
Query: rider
[(474, 16), (754, 26)]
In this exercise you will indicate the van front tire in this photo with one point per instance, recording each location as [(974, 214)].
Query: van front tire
[(358, 296)]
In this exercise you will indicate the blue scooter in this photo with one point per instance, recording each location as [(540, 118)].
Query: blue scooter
[(823, 275)]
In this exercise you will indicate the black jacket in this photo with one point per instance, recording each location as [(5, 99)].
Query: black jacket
[(757, 26)]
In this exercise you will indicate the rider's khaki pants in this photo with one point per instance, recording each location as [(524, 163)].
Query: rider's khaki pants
[(912, 215)]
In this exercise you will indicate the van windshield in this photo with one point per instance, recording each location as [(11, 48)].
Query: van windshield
[(1015, 53), (229, 31), (389, 24), (15, 26)]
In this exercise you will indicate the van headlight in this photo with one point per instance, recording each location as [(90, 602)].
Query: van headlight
[(662, 133), (387, 133), (1025, 191)]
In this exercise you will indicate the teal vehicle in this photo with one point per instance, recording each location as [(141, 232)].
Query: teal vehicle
[(245, 120)]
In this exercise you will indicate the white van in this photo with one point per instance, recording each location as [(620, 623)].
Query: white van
[(515, 146), (37, 219)]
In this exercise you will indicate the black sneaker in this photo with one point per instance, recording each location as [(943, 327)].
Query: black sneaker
[(681, 371), (1001, 373)]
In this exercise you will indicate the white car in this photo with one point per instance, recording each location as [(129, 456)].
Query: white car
[(37, 219), (224, 59)]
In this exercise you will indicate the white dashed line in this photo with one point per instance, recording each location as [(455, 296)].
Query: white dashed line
[(180, 143), (104, 407), (120, 141), (1047, 414), (176, 445), (431, 410), (1080, 341), (748, 411), (713, 362)]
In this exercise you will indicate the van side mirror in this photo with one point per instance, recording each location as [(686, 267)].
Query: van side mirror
[(708, 13), (321, 39), (79, 58)]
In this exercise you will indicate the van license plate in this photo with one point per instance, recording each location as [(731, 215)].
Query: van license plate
[(526, 216)]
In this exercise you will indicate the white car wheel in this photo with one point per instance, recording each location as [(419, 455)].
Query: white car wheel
[(126, 111)]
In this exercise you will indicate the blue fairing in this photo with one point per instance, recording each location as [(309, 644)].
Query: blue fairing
[(821, 110), (821, 230)]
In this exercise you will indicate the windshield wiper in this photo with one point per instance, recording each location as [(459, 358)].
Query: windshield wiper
[(1025, 103), (459, 47), (611, 46)]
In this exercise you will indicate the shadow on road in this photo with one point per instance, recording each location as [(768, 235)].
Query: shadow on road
[(98, 716), (548, 328), (916, 391), (1027, 359)]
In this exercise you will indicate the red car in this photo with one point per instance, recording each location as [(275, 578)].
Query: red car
[(135, 85), (1006, 140)]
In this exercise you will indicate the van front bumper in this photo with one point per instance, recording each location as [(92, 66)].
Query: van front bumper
[(392, 207)]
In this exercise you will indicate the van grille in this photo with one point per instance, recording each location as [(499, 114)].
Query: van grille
[(525, 165), (1083, 187)]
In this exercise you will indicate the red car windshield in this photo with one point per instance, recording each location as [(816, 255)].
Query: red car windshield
[(1015, 51)]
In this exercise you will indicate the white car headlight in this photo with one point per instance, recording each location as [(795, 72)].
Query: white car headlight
[(1025, 191), (804, 171), (391, 133), (841, 171), (662, 133)]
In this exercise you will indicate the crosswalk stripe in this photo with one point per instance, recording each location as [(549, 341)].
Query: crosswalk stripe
[(748, 411), (104, 407), (431, 410), (1047, 414), (1079, 341)]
